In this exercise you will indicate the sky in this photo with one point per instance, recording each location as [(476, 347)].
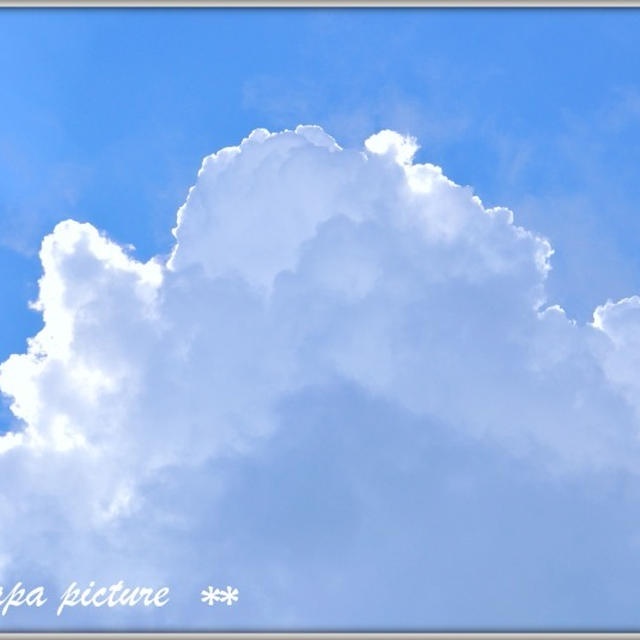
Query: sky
[(335, 306)]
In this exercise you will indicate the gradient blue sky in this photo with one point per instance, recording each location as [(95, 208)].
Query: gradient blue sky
[(106, 116), (108, 113)]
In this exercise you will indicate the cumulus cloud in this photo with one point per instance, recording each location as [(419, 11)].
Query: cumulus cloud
[(298, 266)]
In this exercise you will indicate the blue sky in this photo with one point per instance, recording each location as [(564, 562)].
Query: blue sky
[(536, 109), (514, 507)]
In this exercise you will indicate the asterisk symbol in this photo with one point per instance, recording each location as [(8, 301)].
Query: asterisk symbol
[(229, 596), (210, 595)]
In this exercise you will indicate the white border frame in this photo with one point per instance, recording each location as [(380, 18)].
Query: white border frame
[(310, 4)]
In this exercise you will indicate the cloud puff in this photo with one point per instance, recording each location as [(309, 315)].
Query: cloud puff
[(298, 265)]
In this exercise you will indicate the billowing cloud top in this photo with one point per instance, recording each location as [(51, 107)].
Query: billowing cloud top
[(299, 264)]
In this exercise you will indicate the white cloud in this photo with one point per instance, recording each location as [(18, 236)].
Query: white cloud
[(298, 264)]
